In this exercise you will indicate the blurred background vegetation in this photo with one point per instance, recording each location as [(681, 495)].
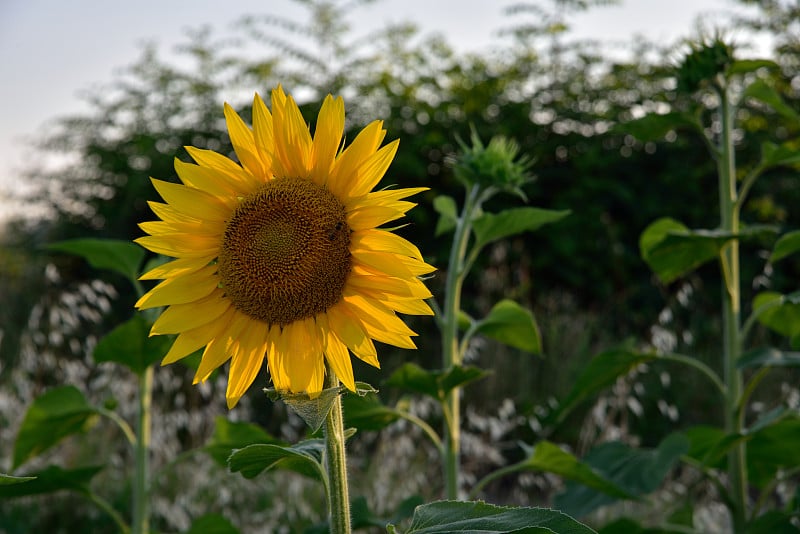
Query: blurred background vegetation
[(565, 101)]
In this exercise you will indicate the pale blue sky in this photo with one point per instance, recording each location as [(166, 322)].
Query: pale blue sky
[(51, 50)]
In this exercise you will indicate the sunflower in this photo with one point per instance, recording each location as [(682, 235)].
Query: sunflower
[(280, 256)]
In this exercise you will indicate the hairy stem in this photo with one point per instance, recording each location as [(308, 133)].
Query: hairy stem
[(731, 312), (336, 462), (451, 352), (141, 509)]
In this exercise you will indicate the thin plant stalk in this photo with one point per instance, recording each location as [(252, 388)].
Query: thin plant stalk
[(731, 311), (451, 352), (336, 462), (141, 508)]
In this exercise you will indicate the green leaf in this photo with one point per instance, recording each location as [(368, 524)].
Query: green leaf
[(773, 155), (469, 517), (773, 522), (710, 445), (672, 250), (768, 357), (53, 416), (743, 66), (654, 126), (51, 479), (668, 247), (783, 315), (123, 257), (436, 384), (787, 244), (304, 458), (212, 524), (601, 372), (491, 227), (629, 526), (230, 435), (130, 344), (637, 471), (513, 325), (367, 412), (448, 214), (764, 93), (550, 458), (7, 480), (363, 517), (773, 448)]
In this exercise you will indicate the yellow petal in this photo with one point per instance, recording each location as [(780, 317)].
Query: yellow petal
[(276, 359), (385, 263), (384, 241), (410, 306), (327, 138), (343, 173), (208, 228), (370, 217), (336, 353), (373, 313), (412, 288), (292, 138), (220, 349), (372, 170), (182, 317), (240, 179), (350, 332), (263, 132), (204, 179), (182, 245), (384, 197), (181, 290), (167, 213), (192, 202), (243, 143), (176, 268), (246, 362), (191, 340)]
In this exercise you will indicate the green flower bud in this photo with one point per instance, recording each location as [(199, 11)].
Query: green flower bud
[(494, 165), (703, 63)]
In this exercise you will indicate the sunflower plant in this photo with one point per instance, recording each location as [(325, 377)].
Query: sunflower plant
[(280, 260)]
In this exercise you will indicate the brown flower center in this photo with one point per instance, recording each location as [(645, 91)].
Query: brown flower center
[(286, 252)]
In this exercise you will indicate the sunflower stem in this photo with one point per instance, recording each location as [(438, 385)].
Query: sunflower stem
[(336, 463), (731, 311), (451, 351), (141, 512)]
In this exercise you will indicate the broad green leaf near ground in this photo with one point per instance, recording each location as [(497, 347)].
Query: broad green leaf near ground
[(51, 417), (7, 480), (50, 479), (549, 457), (601, 372), (481, 518), (637, 471), (229, 435), (304, 458), (212, 524)]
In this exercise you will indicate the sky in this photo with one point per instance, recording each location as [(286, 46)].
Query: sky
[(53, 50)]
